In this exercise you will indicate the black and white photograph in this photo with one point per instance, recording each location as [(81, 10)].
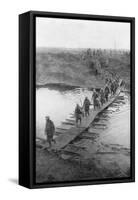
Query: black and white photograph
[(83, 100)]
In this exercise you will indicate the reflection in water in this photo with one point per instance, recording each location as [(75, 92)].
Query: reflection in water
[(57, 105), (118, 131)]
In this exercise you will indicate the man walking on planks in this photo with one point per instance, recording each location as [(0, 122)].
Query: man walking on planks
[(95, 99), (86, 106), (102, 96), (78, 114), (49, 131), (106, 92)]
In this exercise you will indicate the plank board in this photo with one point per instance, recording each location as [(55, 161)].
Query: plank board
[(68, 123)]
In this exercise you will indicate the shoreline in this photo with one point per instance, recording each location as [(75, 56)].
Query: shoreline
[(61, 86), (100, 165)]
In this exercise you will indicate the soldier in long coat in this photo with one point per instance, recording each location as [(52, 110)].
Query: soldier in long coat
[(49, 131), (112, 88), (94, 98), (106, 92), (102, 96), (78, 114), (86, 106)]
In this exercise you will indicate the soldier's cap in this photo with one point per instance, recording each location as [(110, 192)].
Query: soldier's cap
[(47, 117)]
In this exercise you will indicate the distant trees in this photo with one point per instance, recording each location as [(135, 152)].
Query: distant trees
[(91, 60), (104, 62), (101, 60)]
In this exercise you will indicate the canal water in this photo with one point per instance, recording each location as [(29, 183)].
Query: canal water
[(58, 105)]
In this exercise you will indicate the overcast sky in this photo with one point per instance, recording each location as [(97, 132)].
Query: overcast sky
[(68, 33)]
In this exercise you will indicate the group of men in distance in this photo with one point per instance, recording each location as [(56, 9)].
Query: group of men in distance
[(98, 98)]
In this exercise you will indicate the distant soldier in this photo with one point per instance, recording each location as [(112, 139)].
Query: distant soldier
[(122, 84), (49, 131), (94, 97), (78, 114), (106, 92), (86, 106), (97, 103), (106, 80), (116, 84), (112, 87), (102, 97)]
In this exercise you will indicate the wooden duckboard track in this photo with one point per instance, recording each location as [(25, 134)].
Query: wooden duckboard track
[(70, 134)]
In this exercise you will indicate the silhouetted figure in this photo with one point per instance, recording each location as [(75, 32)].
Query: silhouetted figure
[(94, 97), (112, 87), (102, 96), (49, 131), (78, 114), (86, 106), (106, 92)]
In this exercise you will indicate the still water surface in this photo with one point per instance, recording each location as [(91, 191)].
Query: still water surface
[(56, 104)]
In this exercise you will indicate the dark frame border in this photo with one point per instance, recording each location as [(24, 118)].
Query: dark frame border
[(32, 69)]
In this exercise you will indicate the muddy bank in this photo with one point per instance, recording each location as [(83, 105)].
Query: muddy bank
[(80, 67), (50, 167)]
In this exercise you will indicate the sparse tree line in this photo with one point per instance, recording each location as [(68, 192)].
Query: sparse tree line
[(98, 59)]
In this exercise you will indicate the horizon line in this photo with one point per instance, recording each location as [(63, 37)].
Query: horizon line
[(61, 47)]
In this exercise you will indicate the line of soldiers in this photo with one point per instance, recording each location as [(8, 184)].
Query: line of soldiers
[(98, 98), (82, 111)]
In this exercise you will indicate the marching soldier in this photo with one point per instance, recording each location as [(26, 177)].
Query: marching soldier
[(112, 88), (106, 92), (102, 97), (49, 131), (86, 106), (78, 114), (94, 97)]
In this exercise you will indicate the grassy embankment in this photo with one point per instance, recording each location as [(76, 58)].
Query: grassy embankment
[(72, 68)]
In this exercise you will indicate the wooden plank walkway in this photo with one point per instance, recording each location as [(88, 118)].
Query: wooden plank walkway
[(71, 133)]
